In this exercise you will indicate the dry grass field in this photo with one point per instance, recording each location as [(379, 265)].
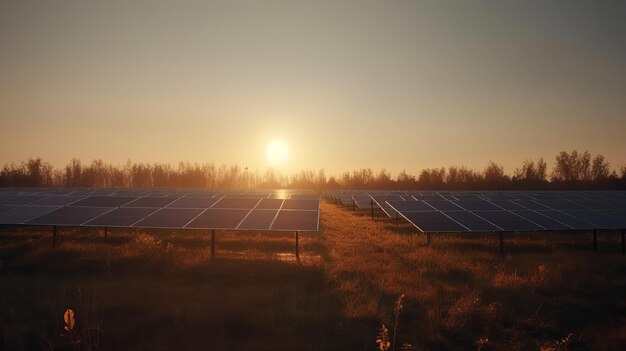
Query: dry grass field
[(160, 290)]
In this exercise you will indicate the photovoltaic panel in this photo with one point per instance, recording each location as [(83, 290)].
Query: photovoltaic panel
[(219, 219), (58, 200), (531, 205), (443, 205), (269, 204), (476, 205), (21, 200), (405, 206), (296, 220), (242, 203), (508, 221), (169, 218), (381, 200), (562, 205), (4, 208), (121, 217), (70, 215), (305, 197), (433, 221), (471, 221), (193, 202), (508, 205), (104, 201), (21, 214), (301, 204), (543, 220), (258, 220), (151, 201), (597, 218)]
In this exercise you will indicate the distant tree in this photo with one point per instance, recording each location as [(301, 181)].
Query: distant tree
[(572, 167), (494, 177), (600, 169), (405, 180)]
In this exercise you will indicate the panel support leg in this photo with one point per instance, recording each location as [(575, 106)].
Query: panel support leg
[(501, 237), (623, 242), (372, 203), (427, 239), (397, 219), (54, 237), (212, 243), (106, 234), (297, 248), (595, 241)]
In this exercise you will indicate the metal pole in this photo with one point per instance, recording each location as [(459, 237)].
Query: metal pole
[(54, 237), (372, 203), (427, 239), (623, 242), (397, 219), (212, 243), (297, 248), (595, 241), (501, 243), (106, 234)]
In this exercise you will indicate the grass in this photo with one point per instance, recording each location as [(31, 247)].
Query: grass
[(160, 290)]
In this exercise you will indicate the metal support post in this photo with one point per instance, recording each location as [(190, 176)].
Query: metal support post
[(212, 243), (297, 247), (54, 237)]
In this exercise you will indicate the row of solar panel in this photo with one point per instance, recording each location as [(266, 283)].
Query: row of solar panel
[(480, 220), (162, 212), (346, 196), (143, 217), (173, 202), (279, 194)]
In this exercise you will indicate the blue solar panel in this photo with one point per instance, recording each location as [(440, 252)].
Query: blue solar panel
[(433, 222), (508, 221), (471, 221)]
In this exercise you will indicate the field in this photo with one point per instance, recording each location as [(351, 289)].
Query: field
[(160, 290)]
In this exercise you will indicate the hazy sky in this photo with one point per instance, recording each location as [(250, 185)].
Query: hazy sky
[(344, 84)]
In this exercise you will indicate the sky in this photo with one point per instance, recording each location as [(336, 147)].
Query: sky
[(340, 85)]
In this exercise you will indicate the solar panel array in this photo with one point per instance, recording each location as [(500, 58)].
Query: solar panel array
[(492, 211), (161, 208)]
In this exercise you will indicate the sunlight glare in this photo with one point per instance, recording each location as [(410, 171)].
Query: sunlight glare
[(277, 153)]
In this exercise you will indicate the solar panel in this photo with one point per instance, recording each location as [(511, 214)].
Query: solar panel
[(121, 217), (508, 221), (301, 204), (258, 220), (471, 221), (443, 205), (21, 200), (472, 205), (169, 218), (295, 220), (151, 202), (193, 202), (270, 204), (104, 201), (404, 206), (433, 221), (543, 219), (57, 200), (218, 219), (70, 215), (243, 203), (21, 214)]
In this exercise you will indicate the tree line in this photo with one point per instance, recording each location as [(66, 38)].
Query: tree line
[(573, 170)]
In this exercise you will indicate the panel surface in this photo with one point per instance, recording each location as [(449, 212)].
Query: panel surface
[(258, 220), (471, 221), (508, 221), (219, 219), (169, 218), (296, 220), (21, 214), (301, 204), (193, 202), (433, 221), (104, 201), (121, 217), (70, 215)]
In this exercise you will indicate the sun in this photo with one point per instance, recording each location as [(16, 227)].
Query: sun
[(277, 153)]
